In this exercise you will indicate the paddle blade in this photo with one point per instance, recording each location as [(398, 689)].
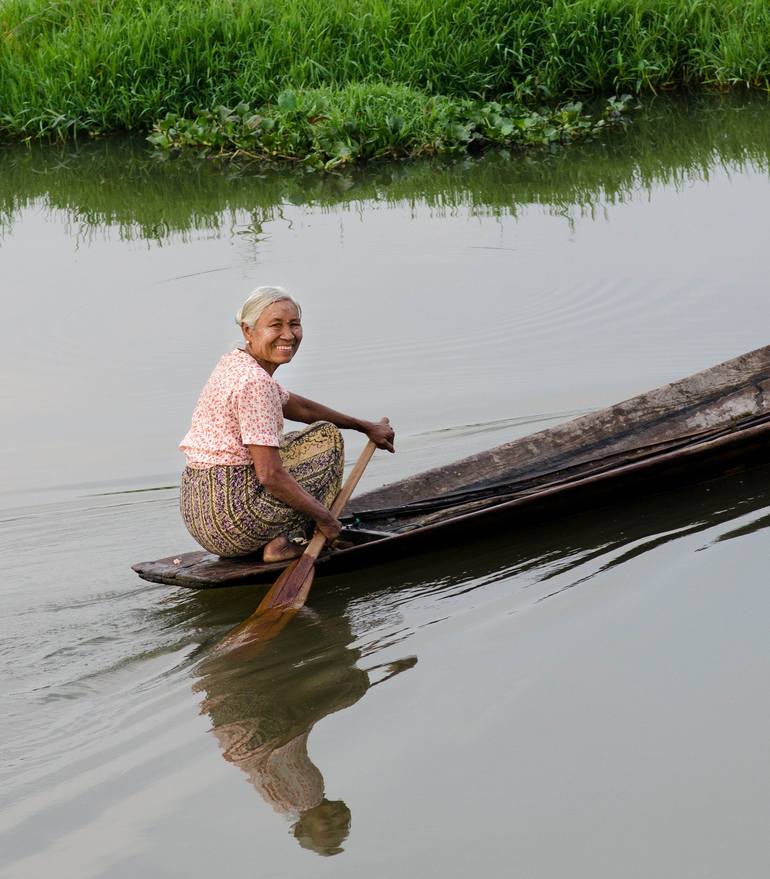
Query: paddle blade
[(281, 604), (291, 589), (252, 634)]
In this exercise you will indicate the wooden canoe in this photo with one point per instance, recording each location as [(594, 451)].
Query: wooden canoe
[(708, 424)]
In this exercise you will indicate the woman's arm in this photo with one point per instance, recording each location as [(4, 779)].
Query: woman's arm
[(307, 411), (282, 485)]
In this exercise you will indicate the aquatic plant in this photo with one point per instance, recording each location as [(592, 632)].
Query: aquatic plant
[(326, 128)]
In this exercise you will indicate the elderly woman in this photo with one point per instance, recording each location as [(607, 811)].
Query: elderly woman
[(246, 486)]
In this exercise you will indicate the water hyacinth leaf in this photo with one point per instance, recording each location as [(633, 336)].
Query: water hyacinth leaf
[(571, 112), (287, 101), (460, 132), (160, 140), (359, 123)]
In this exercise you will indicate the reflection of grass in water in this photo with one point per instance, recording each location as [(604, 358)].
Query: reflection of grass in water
[(116, 183), (122, 64)]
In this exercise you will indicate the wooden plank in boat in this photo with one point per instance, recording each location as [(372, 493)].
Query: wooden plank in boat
[(201, 567)]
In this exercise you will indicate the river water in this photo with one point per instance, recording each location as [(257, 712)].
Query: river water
[(582, 697)]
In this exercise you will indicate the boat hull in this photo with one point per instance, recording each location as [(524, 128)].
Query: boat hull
[(713, 423), (202, 570)]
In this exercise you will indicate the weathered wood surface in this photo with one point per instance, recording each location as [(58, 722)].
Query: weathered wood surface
[(648, 439), (715, 396), (202, 568)]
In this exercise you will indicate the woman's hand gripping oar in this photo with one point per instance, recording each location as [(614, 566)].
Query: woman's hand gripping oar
[(291, 589), (289, 592)]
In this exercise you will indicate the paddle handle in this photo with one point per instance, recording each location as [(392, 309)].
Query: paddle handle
[(318, 540)]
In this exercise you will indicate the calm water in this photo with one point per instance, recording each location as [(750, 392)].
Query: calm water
[(586, 697)]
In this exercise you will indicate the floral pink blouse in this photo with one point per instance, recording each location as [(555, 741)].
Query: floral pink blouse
[(240, 405)]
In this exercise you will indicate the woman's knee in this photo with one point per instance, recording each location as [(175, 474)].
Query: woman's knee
[(330, 432), (326, 427)]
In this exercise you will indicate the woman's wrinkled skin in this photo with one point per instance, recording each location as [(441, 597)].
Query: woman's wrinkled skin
[(275, 337)]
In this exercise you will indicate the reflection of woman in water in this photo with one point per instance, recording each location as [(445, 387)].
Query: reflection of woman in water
[(263, 708)]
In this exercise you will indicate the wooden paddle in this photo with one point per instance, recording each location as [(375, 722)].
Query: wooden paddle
[(291, 589), (289, 592)]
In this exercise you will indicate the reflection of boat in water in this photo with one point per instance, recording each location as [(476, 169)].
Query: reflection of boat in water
[(713, 422), (263, 705)]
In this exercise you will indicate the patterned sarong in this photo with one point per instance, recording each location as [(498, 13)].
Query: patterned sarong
[(230, 513)]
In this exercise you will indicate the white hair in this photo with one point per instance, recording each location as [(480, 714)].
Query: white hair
[(260, 299)]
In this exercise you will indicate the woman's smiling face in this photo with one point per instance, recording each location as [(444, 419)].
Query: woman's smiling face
[(275, 337)]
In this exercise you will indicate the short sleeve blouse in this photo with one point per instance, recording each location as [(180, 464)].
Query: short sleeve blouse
[(240, 405)]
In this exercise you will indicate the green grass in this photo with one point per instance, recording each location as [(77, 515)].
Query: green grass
[(108, 65)]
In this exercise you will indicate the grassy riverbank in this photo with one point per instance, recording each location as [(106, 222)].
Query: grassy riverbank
[(105, 65)]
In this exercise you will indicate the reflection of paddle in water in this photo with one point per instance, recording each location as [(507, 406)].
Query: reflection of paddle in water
[(264, 703), (289, 592)]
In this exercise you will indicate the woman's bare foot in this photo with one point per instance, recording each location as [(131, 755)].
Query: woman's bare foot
[(338, 544), (281, 550)]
